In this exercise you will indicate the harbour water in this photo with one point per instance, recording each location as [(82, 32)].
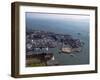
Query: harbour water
[(76, 25)]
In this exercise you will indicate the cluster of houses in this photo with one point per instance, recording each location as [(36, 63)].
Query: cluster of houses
[(39, 40)]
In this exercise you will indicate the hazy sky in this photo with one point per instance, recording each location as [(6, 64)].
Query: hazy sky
[(56, 16)]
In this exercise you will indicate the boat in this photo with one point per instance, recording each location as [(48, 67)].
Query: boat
[(53, 58)]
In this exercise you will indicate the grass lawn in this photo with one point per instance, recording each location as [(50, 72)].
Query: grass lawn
[(34, 62)]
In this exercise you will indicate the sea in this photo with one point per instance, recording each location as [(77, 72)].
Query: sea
[(75, 25)]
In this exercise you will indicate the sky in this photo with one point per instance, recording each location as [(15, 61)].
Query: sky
[(56, 16)]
